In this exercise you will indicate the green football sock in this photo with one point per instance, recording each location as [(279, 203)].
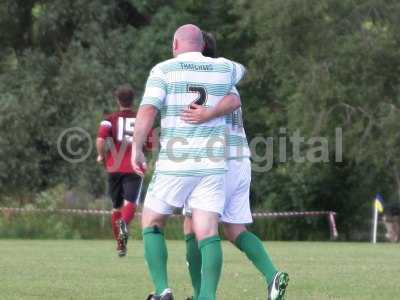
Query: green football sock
[(255, 251), (193, 258), (156, 255), (211, 257)]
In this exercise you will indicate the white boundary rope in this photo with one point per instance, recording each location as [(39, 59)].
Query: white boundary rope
[(331, 215)]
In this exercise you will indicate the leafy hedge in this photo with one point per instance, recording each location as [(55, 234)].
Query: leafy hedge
[(70, 226)]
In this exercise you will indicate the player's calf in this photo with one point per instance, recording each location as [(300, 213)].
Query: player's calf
[(232, 231), (128, 212), (115, 217)]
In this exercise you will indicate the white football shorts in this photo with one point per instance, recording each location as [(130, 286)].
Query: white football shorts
[(167, 192), (237, 193)]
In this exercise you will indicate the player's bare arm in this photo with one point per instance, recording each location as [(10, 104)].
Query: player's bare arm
[(101, 151), (197, 114), (144, 122)]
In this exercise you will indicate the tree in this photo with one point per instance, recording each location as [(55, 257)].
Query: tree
[(314, 66)]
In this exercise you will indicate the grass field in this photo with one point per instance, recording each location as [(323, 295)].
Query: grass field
[(90, 270)]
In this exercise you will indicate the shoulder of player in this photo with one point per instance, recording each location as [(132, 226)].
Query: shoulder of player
[(227, 61), (160, 67), (108, 119), (222, 60), (234, 66)]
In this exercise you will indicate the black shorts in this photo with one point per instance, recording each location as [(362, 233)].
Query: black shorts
[(124, 186)]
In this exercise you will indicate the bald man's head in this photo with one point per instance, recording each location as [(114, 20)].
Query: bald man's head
[(187, 38)]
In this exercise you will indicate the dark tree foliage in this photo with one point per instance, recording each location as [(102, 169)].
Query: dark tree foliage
[(313, 66)]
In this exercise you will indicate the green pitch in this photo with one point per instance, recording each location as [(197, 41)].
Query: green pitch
[(90, 270)]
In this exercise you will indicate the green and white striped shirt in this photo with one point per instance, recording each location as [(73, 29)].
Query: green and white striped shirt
[(236, 140), (186, 149)]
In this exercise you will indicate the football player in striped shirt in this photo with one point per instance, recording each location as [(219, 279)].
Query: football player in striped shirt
[(237, 206), (191, 164)]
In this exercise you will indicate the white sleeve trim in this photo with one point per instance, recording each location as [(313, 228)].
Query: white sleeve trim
[(106, 123)]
